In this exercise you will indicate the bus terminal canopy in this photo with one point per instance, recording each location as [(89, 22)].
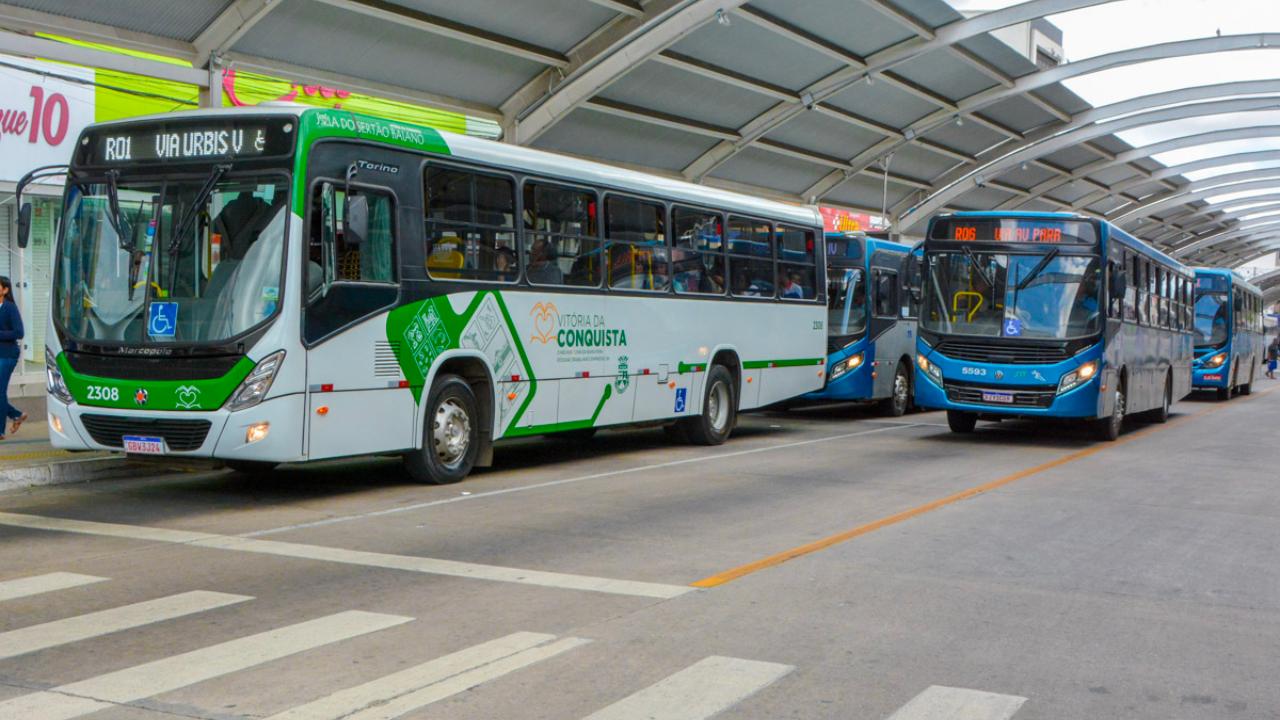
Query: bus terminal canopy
[(895, 107)]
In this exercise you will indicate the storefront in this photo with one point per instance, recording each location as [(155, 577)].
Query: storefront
[(42, 111)]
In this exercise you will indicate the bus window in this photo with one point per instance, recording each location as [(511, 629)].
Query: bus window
[(796, 265), (636, 235), (348, 277), (885, 288), (751, 258), (470, 225), (561, 243), (698, 255)]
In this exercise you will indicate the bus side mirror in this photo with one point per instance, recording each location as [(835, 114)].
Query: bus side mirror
[(355, 219), (912, 276), (24, 225)]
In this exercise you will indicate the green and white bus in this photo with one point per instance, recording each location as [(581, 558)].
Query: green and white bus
[(286, 284)]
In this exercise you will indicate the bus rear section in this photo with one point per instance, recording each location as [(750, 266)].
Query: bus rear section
[(1017, 321), (1229, 343), (870, 336)]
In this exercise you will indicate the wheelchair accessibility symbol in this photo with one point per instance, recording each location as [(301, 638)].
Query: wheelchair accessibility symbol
[(162, 319), (1012, 327)]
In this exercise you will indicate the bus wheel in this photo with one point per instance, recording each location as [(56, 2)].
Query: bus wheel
[(1224, 393), (897, 404), (1247, 388), (719, 410), (961, 422), (451, 436), (1161, 414), (250, 467), (1109, 428)]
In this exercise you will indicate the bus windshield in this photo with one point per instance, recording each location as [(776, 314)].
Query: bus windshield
[(190, 261), (1039, 296), (1212, 318), (846, 305)]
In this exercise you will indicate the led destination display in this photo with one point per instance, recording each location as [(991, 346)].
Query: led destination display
[(188, 142), (1014, 231)]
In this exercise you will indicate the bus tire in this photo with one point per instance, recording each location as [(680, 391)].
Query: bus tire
[(451, 434), (250, 467), (719, 410), (961, 422), (1224, 394), (1247, 388), (1161, 414), (897, 404), (1110, 427)]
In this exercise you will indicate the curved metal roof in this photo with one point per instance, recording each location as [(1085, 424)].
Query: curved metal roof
[(900, 105)]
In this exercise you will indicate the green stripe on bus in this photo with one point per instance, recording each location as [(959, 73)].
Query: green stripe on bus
[(798, 362), (210, 394), (562, 426)]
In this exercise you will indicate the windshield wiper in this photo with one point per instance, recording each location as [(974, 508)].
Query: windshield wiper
[(133, 250), (124, 234), (982, 272), (178, 240), (1035, 271)]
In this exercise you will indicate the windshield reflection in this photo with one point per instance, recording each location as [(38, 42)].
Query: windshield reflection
[(1212, 320), (1033, 296), (215, 283)]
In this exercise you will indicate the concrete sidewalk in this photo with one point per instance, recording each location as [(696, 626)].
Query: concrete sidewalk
[(27, 459)]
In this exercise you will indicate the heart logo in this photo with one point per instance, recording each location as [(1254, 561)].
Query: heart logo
[(188, 396), (545, 319)]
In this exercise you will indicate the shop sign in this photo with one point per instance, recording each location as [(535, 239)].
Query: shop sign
[(835, 220), (41, 115)]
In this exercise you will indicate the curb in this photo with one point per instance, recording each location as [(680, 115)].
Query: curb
[(76, 470)]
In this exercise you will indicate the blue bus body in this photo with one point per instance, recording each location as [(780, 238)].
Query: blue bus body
[(1049, 315), (1229, 342), (870, 337)]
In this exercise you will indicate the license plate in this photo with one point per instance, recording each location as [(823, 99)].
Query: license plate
[(997, 397), (142, 445)]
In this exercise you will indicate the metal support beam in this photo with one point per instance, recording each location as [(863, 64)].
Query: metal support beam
[(1098, 122), (417, 20), (607, 56), (626, 7), (31, 46), (877, 64), (34, 21), (231, 24)]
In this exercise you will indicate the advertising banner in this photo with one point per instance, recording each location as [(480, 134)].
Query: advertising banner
[(836, 220), (41, 114)]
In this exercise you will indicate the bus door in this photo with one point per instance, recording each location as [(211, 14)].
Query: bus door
[(358, 400), (888, 336)]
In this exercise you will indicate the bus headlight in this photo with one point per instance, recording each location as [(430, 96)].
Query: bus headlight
[(1216, 360), (255, 387), (853, 362), (1078, 377), (933, 371), (53, 381)]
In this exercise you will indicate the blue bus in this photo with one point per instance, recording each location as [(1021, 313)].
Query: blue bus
[(1049, 315), (870, 329), (1228, 333)]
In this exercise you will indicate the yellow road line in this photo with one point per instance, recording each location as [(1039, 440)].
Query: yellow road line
[(829, 541), (34, 455)]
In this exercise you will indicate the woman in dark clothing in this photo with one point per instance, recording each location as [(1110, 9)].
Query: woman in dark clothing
[(10, 334)]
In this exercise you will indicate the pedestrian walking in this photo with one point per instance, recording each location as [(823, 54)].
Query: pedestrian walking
[(1273, 356), (10, 333)]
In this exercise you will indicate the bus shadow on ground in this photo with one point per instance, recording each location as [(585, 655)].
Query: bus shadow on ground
[(1037, 433)]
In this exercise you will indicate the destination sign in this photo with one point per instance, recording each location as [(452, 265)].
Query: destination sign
[(1213, 283), (1013, 230), (196, 141)]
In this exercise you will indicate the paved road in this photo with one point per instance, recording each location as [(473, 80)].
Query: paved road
[(823, 564)]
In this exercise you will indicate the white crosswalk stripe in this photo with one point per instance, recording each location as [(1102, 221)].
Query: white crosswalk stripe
[(83, 627), (948, 703), (179, 671), (405, 691), (38, 584), (701, 690)]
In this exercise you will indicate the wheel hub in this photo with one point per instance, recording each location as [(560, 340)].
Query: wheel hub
[(451, 433)]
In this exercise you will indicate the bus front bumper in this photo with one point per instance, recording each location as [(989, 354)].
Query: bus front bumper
[(219, 434), (1009, 390), (1210, 378)]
